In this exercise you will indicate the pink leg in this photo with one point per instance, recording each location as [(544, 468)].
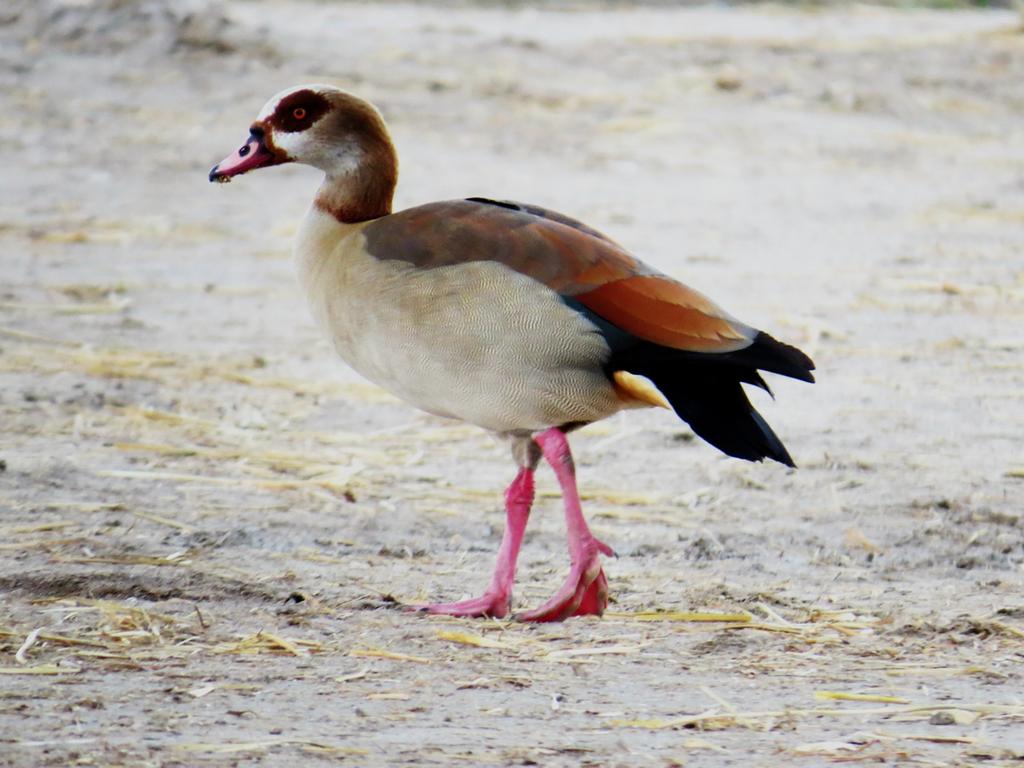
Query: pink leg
[(496, 600), (585, 591)]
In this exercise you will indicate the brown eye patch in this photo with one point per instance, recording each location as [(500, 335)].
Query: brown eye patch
[(297, 111)]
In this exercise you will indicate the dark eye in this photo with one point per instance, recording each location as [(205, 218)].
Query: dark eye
[(298, 113)]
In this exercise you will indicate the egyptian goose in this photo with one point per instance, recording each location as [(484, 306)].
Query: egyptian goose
[(512, 317)]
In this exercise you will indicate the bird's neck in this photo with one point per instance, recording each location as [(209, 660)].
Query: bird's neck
[(353, 203), (352, 194)]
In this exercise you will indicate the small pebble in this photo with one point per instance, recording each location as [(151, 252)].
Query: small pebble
[(942, 718)]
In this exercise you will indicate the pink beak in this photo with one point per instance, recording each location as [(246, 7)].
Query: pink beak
[(252, 154)]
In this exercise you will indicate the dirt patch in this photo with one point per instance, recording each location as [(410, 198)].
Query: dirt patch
[(97, 585)]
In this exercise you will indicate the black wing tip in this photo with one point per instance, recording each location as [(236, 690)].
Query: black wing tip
[(773, 355), (755, 453), (765, 444), (780, 454), (784, 458), (719, 412), (499, 203)]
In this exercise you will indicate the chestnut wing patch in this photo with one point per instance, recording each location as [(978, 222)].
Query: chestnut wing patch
[(660, 310)]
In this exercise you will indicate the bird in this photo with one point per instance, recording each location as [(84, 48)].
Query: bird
[(523, 321)]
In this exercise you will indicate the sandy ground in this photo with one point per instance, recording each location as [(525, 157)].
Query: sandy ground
[(207, 521)]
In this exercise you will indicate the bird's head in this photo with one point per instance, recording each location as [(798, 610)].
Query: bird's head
[(317, 125)]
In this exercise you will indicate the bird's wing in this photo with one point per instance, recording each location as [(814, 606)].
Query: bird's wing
[(586, 268)]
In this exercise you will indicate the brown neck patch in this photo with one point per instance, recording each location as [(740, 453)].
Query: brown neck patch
[(371, 201), (367, 193)]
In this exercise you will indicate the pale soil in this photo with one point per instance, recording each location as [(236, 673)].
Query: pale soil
[(187, 466)]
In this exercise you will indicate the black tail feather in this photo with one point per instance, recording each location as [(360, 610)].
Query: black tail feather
[(769, 354), (706, 390), (715, 406)]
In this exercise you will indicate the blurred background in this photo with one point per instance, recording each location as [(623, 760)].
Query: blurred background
[(176, 437)]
